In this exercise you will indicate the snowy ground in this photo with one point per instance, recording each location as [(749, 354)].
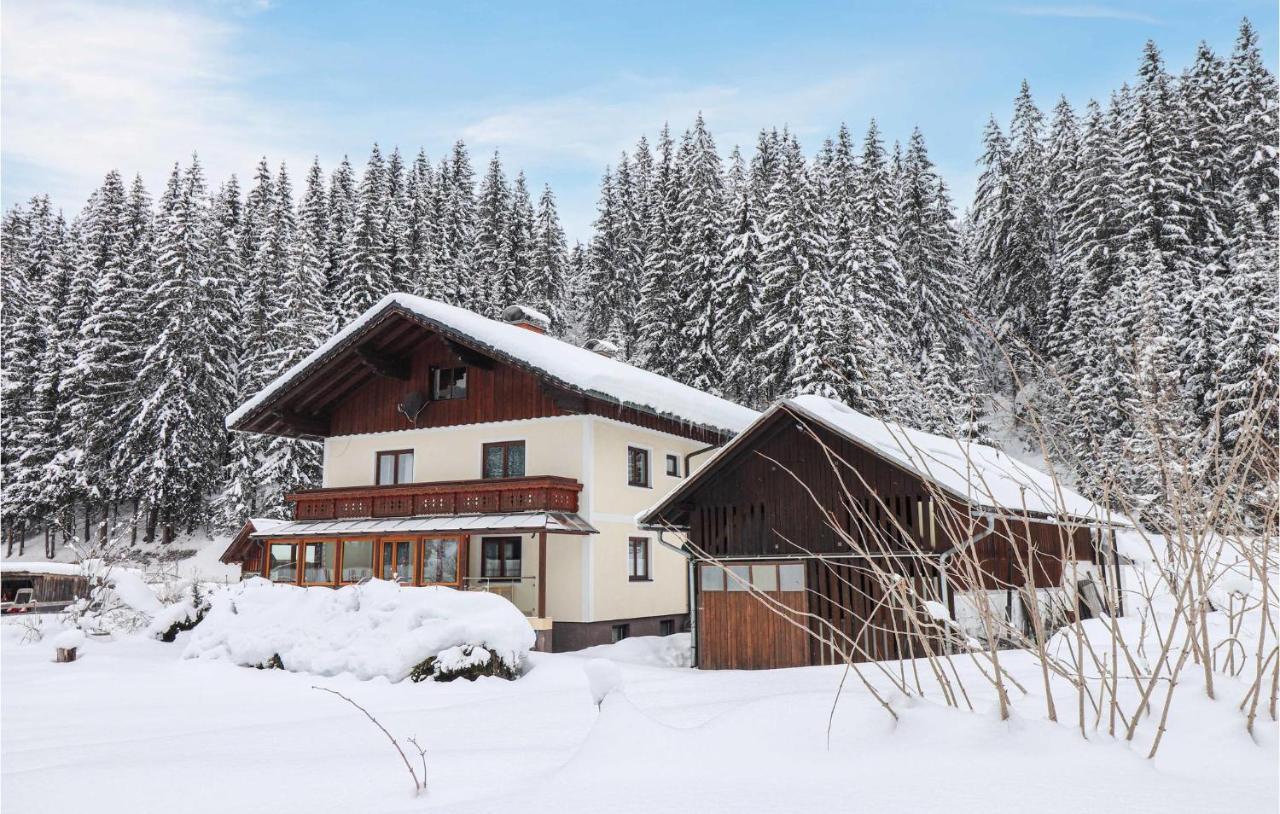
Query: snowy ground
[(132, 727)]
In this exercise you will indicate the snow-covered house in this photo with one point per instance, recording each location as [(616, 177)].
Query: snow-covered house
[(484, 454), (772, 578)]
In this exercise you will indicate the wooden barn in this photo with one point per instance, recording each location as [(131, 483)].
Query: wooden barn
[(40, 586), (795, 527)]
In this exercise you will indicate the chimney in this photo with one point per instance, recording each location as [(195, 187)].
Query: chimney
[(522, 316), (602, 346)]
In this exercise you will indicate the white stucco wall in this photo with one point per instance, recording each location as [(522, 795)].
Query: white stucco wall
[(587, 577)]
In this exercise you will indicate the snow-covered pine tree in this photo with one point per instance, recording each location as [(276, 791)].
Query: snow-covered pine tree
[(700, 213), (740, 290), (599, 288), (661, 304), (342, 219), (456, 219), (494, 270), (421, 238), (178, 435), (1252, 105), (365, 271), (396, 237), (520, 243), (546, 286)]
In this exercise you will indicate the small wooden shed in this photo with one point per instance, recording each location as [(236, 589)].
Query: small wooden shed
[(53, 584), (768, 524)]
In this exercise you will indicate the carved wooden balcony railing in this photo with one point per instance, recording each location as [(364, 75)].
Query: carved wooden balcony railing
[(492, 495)]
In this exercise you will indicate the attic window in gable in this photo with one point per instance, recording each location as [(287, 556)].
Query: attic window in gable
[(448, 383)]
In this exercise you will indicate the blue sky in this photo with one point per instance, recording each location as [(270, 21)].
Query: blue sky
[(558, 87)]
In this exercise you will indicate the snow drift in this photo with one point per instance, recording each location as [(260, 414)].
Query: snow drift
[(375, 629)]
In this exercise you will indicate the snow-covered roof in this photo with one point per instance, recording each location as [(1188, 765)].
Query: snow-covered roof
[(21, 567), (980, 475), (553, 522), (566, 364), (977, 473)]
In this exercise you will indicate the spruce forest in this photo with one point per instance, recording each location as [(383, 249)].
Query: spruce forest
[(1118, 262)]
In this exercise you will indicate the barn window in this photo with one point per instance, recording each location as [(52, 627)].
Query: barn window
[(638, 559), (357, 560), (791, 577), (739, 578), (395, 466), (503, 460), (637, 467), (448, 383), (764, 577), (282, 559), (712, 578)]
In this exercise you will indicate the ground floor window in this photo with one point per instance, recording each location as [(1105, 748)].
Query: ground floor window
[(440, 561), (318, 562), (638, 559), (500, 557), (666, 627), (621, 632), (357, 560), (397, 561), (282, 562)]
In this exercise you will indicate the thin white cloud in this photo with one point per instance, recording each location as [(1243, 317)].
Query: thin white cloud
[(1086, 12), (91, 86)]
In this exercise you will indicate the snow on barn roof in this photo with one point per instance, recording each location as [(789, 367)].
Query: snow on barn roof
[(980, 475), (977, 473), (23, 567), (573, 367)]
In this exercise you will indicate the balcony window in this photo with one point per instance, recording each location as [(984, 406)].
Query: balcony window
[(397, 562), (395, 466), (448, 383), (440, 561), (637, 466), (500, 557), (282, 562), (318, 562), (638, 559), (357, 560), (503, 460)]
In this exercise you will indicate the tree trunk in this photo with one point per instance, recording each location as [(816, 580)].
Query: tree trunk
[(153, 519), (103, 523), (22, 539)]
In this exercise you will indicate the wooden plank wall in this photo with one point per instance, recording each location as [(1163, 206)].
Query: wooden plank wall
[(498, 393), (738, 631), (848, 595), (752, 505)]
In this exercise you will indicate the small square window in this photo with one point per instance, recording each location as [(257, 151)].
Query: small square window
[(448, 383), (620, 632), (791, 577), (395, 467), (673, 466), (637, 466), (500, 557), (666, 627), (502, 460), (764, 577), (712, 578), (739, 578)]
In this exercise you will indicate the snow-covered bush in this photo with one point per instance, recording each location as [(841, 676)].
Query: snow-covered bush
[(375, 629), (465, 661), (180, 616)]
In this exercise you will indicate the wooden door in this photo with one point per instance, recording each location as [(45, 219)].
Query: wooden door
[(750, 616)]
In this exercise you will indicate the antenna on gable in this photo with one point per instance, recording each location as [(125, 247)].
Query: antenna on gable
[(412, 404)]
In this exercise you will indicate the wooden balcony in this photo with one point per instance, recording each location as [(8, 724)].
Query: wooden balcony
[(492, 495)]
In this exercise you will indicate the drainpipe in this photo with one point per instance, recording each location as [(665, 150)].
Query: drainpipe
[(696, 453), (693, 608), (946, 555)]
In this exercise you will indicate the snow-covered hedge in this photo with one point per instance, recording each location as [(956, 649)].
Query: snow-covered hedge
[(375, 629)]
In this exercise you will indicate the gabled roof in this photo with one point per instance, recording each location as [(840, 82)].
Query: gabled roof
[(562, 364), (982, 476)]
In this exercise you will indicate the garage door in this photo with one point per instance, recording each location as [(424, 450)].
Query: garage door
[(750, 616)]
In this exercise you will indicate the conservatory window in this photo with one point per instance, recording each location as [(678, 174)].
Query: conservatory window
[(357, 560)]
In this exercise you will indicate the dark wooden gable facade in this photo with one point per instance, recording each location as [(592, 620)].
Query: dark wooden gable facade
[(359, 384), (774, 497)]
